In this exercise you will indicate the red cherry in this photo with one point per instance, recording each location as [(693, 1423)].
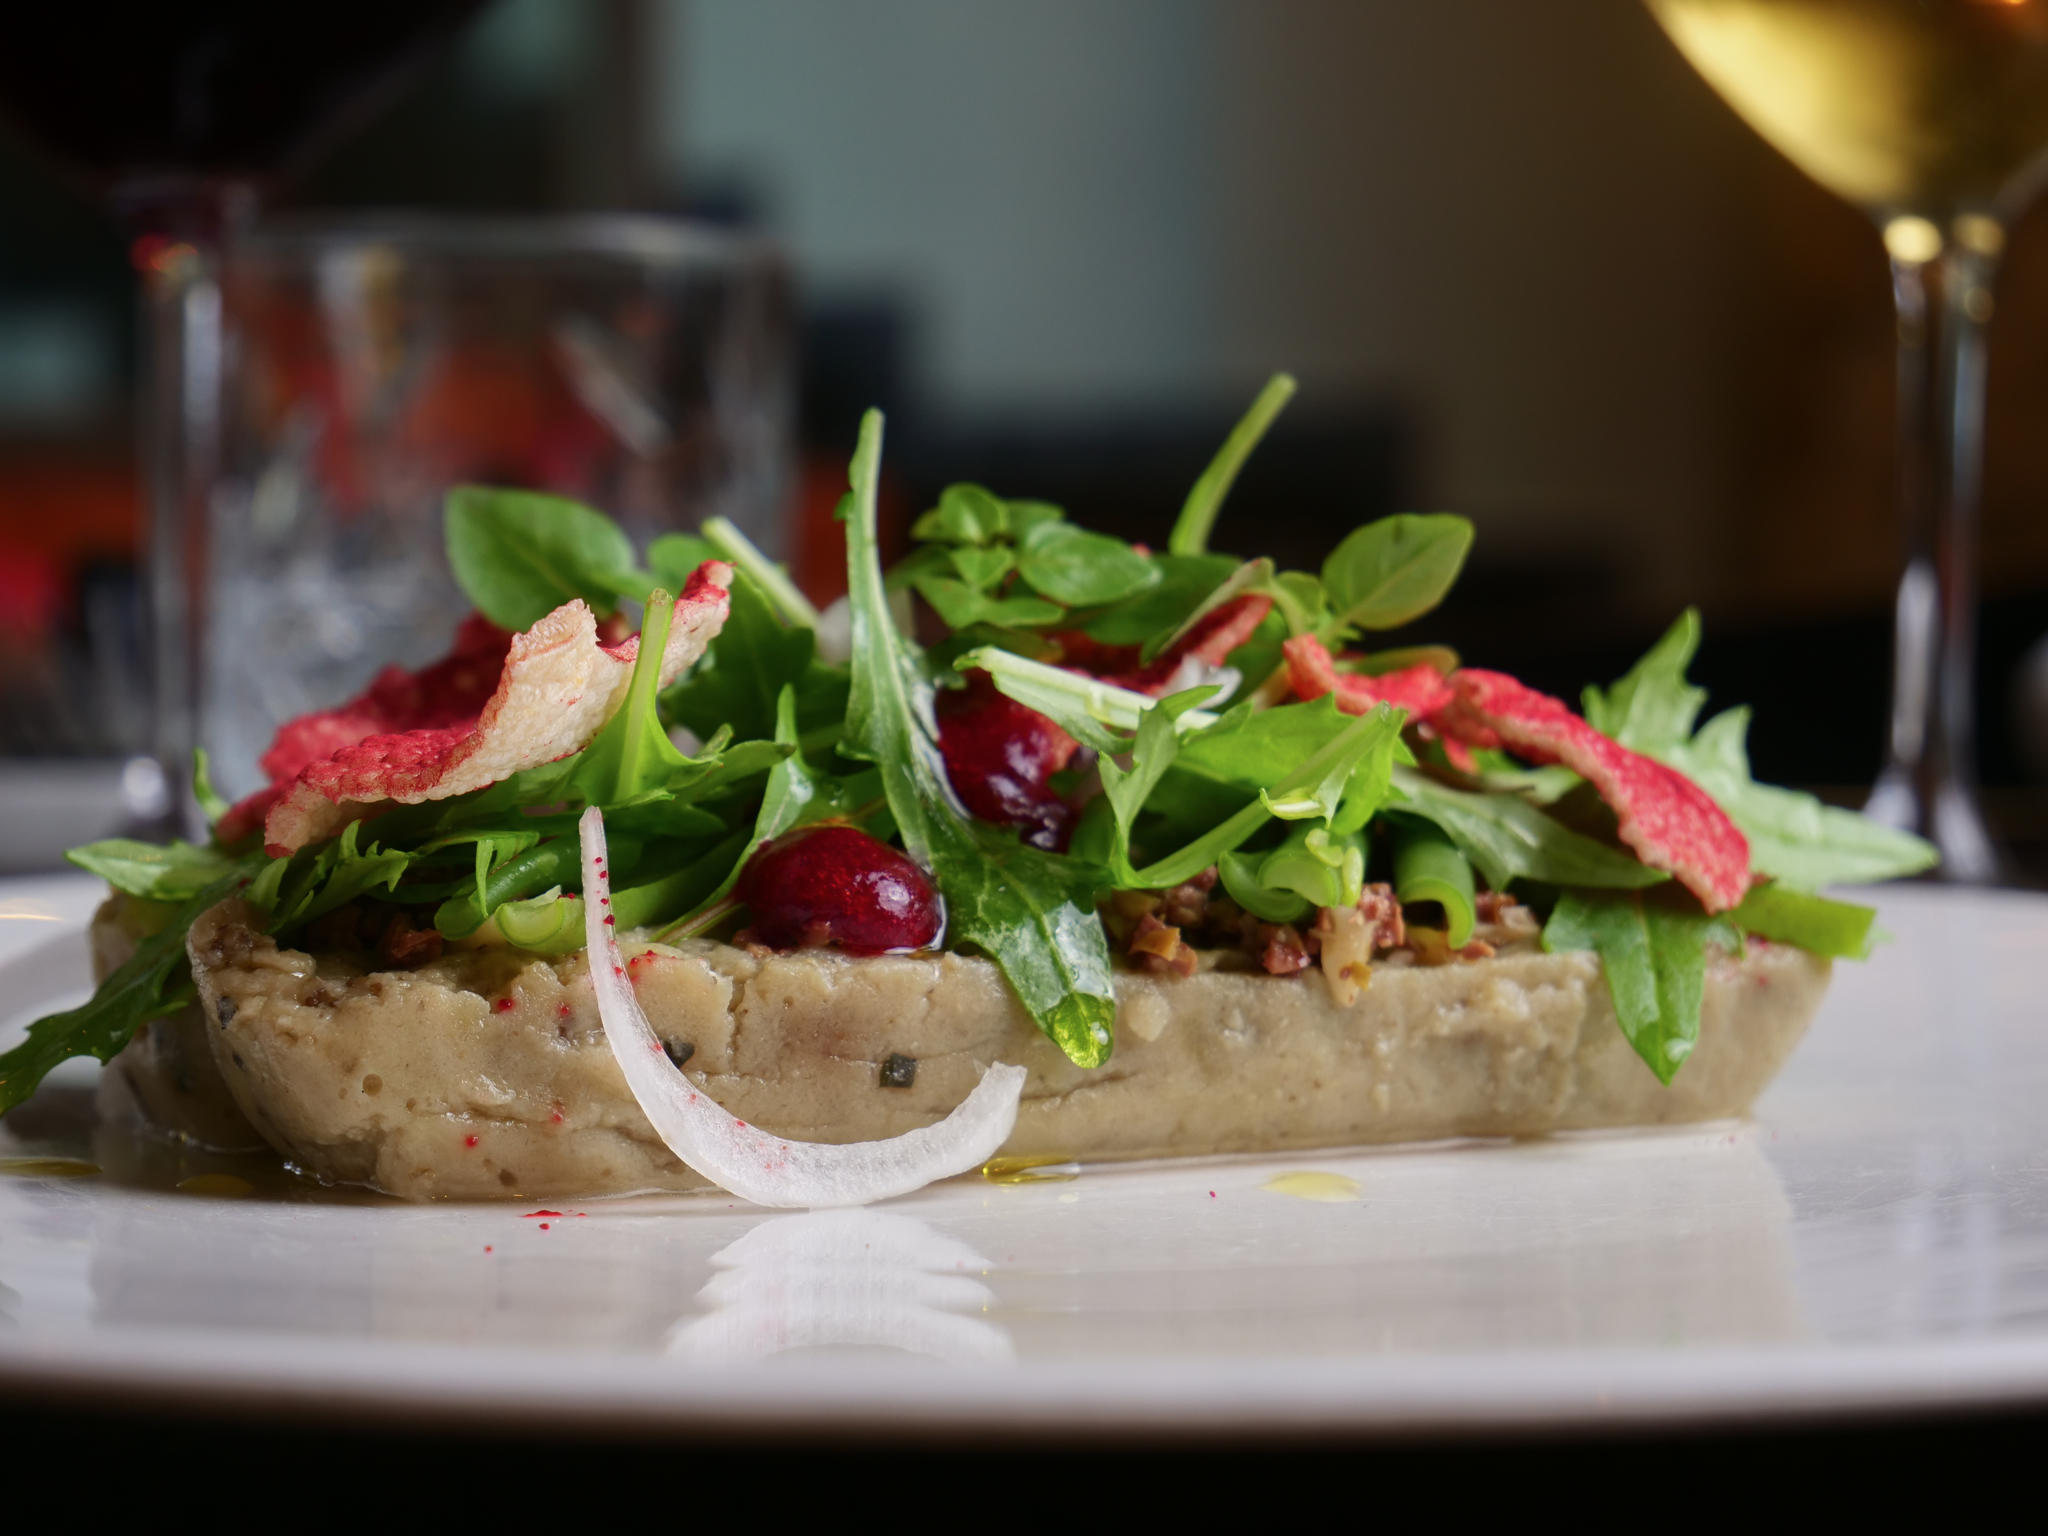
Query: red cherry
[(1001, 757), (834, 884)]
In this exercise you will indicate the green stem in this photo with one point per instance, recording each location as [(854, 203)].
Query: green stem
[(794, 607), (1191, 529)]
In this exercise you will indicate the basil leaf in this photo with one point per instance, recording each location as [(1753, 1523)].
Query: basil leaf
[(961, 605), (1654, 957), (1396, 569), (981, 569), (160, 874), (1428, 867), (1081, 569), (519, 555), (154, 981), (1185, 583), (1033, 913), (1509, 839), (1837, 929), (966, 514), (1197, 518)]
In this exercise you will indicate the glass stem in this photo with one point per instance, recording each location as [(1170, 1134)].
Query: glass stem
[(179, 231), (1928, 785)]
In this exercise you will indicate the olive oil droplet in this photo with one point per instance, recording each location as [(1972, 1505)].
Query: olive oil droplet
[(48, 1167), (223, 1186), (1326, 1188), (1030, 1170)]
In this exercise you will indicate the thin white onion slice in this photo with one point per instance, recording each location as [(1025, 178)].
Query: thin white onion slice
[(743, 1158)]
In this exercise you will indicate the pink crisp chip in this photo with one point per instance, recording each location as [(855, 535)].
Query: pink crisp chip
[(465, 723), (1670, 822), (1420, 689), (1207, 645)]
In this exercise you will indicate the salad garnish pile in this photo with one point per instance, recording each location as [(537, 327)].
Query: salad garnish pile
[(1026, 740)]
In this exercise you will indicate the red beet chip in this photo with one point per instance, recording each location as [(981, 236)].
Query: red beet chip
[(1001, 757), (1312, 671), (834, 884), (1670, 822), (553, 688)]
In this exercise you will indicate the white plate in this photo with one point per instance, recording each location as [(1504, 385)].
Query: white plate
[(1877, 1238)]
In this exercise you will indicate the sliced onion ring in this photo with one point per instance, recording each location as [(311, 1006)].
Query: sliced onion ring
[(743, 1158)]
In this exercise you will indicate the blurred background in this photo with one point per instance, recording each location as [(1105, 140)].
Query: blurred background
[(1524, 263)]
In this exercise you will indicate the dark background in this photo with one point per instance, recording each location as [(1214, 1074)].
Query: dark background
[(1524, 263)]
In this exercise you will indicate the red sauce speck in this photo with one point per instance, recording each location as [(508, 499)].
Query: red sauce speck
[(469, 1141), (504, 1005), (564, 1011), (740, 1123), (604, 901), (487, 1248), (556, 1117), (609, 920), (545, 1225), (1212, 1194), (531, 1214)]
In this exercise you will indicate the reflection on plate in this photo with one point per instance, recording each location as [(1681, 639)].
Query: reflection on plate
[(1876, 1236)]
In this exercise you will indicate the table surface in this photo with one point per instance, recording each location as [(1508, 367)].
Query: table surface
[(1876, 1238)]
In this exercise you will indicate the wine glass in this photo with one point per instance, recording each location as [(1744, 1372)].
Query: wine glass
[(1931, 115), (178, 118)]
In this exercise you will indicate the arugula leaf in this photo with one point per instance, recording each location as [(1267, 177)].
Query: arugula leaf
[(1091, 711), (1837, 929), (1197, 518), (160, 874), (738, 679), (1509, 839), (1033, 913), (1361, 753), (1653, 707), (632, 753), (1396, 569), (1428, 867), (1654, 956), (154, 981), (794, 792), (1081, 569), (519, 555), (1792, 836)]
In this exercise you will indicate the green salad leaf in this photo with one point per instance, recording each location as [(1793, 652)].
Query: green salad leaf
[(1839, 930), (1396, 569), (1792, 836), (154, 981), (1031, 912), (1654, 955), (519, 555), (1507, 838), (1428, 867), (159, 873)]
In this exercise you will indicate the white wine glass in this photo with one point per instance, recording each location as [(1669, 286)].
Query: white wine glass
[(1932, 116)]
